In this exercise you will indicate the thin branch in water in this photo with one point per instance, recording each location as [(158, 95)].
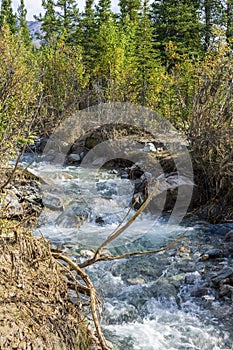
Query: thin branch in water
[(118, 232), (127, 255)]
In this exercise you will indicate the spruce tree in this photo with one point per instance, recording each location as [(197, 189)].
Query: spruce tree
[(229, 22), (177, 21), (146, 56), (104, 31), (88, 35), (129, 8), (7, 16), (212, 11), (23, 29), (49, 23), (103, 11), (68, 19)]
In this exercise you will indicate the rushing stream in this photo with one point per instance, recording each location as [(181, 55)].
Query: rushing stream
[(146, 304)]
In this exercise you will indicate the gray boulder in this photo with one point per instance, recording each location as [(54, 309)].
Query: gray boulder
[(52, 202), (11, 206)]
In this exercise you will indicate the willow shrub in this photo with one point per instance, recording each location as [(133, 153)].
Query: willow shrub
[(197, 97), (19, 92), (63, 79), (211, 124)]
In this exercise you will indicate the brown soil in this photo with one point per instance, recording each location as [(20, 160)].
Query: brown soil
[(36, 311)]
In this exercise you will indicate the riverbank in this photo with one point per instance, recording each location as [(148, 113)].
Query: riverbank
[(36, 308)]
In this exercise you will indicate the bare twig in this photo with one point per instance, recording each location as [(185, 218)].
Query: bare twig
[(14, 169)]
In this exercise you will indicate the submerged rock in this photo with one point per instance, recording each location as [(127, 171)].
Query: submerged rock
[(163, 289), (106, 189), (74, 216)]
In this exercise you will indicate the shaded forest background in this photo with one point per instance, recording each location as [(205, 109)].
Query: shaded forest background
[(174, 57)]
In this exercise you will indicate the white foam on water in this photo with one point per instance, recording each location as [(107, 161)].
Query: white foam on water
[(169, 330)]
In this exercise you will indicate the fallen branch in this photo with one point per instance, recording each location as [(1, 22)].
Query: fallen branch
[(127, 255), (119, 231), (89, 288)]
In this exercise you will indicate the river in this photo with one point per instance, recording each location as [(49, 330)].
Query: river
[(149, 303)]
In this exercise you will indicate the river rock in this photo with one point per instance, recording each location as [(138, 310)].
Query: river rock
[(222, 275), (226, 290), (229, 237), (11, 206), (74, 158), (149, 147), (163, 289), (49, 156), (74, 216), (224, 312), (187, 266), (211, 254), (86, 253), (77, 152), (192, 278), (201, 291), (59, 158), (136, 280), (73, 190), (52, 202), (120, 314), (228, 243)]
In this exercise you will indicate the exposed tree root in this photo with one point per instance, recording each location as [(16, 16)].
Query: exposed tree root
[(36, 310), (93, 298)]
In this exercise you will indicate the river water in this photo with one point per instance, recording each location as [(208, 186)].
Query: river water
[(146, 306)]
